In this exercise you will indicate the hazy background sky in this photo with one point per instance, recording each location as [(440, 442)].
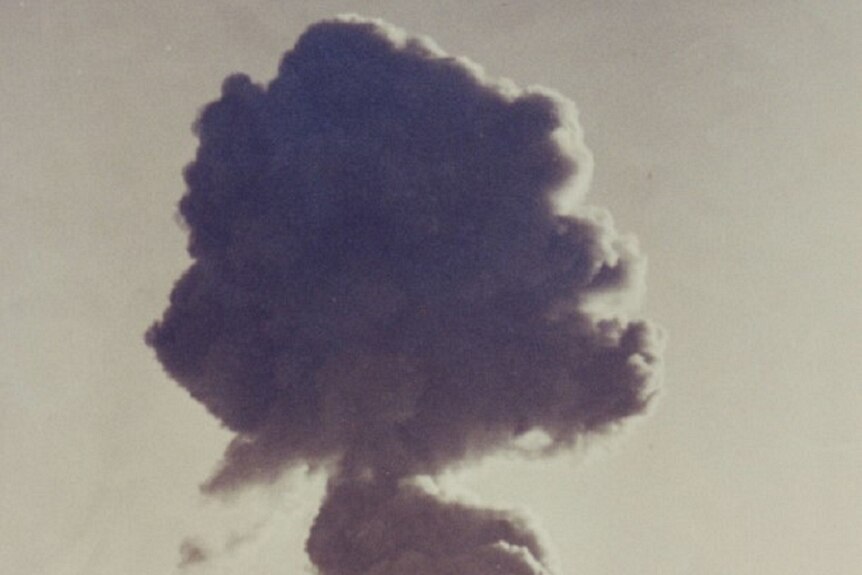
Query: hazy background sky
[(727, 136)]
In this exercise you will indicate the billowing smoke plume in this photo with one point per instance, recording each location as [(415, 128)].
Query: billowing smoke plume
[(393, 273)]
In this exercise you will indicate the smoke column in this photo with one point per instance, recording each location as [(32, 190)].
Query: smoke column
[(393, 273)]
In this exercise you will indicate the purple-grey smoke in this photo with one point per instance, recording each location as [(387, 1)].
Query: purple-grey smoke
[(385, 283)]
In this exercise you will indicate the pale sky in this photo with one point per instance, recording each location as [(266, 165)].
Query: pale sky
[(727, 136)]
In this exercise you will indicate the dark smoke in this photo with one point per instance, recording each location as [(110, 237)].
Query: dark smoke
[(385, 284), (191, 553), (369, 527)]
